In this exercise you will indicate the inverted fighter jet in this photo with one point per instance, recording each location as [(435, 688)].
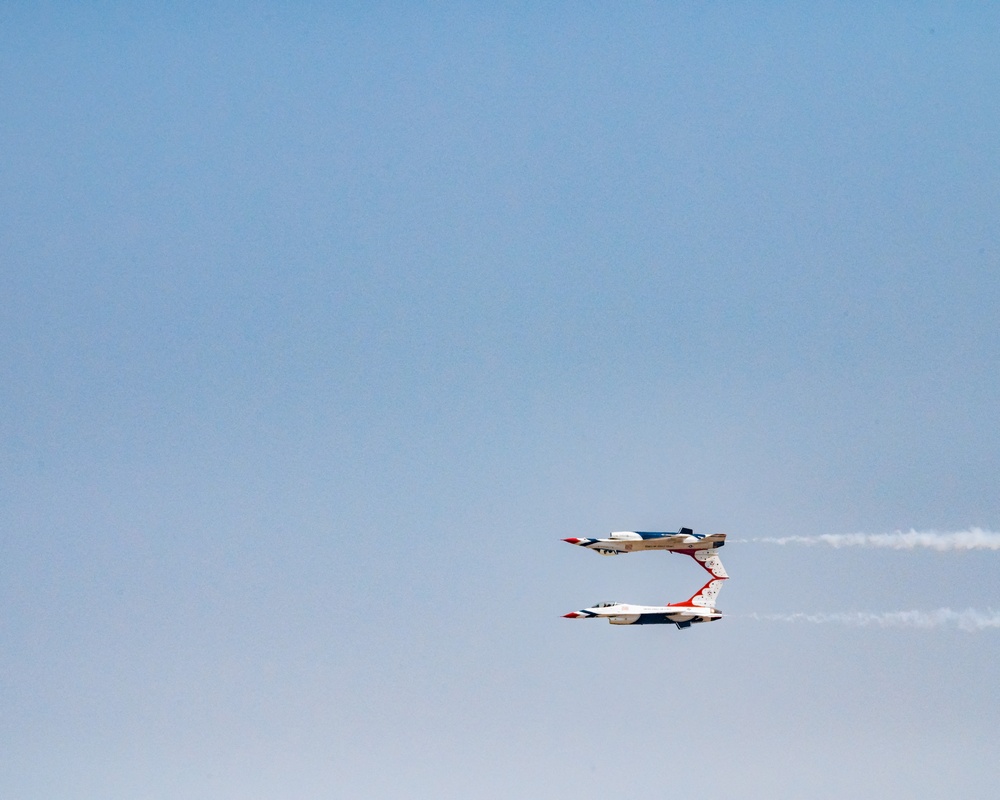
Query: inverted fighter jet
[(700, 607), (634, 541)]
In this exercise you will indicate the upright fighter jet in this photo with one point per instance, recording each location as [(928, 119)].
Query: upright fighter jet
[(635, 541), (700, 607)]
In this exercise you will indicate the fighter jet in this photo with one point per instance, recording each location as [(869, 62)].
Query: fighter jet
[(700, 608), (634, 541)]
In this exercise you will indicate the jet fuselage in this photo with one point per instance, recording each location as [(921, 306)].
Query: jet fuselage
[(681, 615), (620, 542)]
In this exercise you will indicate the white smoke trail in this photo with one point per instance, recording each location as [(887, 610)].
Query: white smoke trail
[(972, 539), (969, 620)]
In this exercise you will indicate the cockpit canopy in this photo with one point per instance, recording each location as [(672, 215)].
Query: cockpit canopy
[(605, 605)]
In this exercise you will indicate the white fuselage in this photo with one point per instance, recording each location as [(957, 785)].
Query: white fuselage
[(620, 542), (629, 614)]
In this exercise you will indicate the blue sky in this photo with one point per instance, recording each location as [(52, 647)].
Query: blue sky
[(320, 328)]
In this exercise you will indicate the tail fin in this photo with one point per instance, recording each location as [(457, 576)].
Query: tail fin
[(706, 596), (712, 564), (709, 559)]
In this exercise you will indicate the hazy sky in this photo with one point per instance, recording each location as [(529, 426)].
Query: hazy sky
[(320, 328)]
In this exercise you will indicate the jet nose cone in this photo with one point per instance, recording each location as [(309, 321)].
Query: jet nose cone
[(573, 540), (572, 615)]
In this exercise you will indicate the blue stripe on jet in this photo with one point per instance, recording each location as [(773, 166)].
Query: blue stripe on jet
[(664, 619), (661, 534)]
